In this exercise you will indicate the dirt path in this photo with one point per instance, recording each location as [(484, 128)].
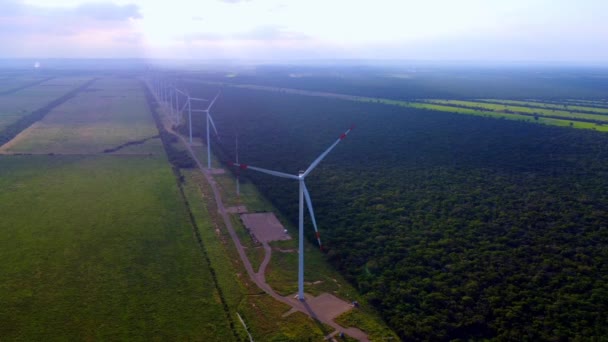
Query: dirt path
[(259, 278)]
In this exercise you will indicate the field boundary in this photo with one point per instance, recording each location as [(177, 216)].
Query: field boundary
[(129, 143)]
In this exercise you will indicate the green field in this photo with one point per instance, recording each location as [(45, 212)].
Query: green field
[(564, 106), (546, 112), (13, 106), (110, 113), (8, 83), (101, 248)]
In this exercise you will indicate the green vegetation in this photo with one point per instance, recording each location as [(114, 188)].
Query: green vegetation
[(11, 130), (110, 114), (295, 327), (100, 248), (12, 85), (360, 318), (16, 105), (534, 111), (539, 104)]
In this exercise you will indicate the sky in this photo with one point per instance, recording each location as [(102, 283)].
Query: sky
[(435, 30)]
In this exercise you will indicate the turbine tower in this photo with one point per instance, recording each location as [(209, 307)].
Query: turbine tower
[(238, 173), (209, 122), (303, 194)]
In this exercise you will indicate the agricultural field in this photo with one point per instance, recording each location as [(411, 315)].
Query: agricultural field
[(452, 226), (101, 247), (591, 108), (534, 110), (99, 244), (21, 103), (108, 114), (10, 83)]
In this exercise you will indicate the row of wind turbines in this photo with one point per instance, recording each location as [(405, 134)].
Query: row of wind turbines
[(168, 93)]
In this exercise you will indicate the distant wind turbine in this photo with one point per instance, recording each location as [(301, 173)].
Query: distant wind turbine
[(209, 123), (303, 195)]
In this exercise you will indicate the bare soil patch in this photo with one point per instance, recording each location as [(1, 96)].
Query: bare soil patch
[(325, 307), (265, 227)]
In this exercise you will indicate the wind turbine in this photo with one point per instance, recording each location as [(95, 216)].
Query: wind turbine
[(238, 173), (188, 103), (303, 195), (209, 122)]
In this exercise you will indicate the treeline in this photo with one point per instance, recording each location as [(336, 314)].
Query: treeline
[(454, 227), (11, 131), (129, 143), (178, 158)]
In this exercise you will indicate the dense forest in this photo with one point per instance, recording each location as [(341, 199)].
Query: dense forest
[(420, 81), (453, 226)]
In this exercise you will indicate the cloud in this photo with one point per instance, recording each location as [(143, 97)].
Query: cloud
[(19, 18), (233, 1), (107, 11), (270, 33), (261, 34), (65, 30)]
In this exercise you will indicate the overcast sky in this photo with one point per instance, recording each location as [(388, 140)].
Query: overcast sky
[(515, 30)]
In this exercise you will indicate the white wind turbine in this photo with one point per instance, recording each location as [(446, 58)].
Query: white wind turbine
[(303, 195), (238, 174), (209, 122), (188, 103)]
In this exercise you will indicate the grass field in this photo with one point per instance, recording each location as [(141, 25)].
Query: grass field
[(13, 106), (547, 112), (8, 83), (110, 113), (101, 248), (564, 106)]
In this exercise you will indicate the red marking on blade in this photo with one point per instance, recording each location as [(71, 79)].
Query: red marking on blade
[(318, 235), (343, 136), (244, 166), (321, 248)]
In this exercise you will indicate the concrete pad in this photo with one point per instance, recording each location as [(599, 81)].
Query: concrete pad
[(265, 227), (325, 306)]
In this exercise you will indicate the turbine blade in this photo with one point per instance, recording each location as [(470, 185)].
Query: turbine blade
[(324, 154), (212, 124), (266, 171), (213, 101), (184, 107), (198, 99), (312, 214)]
